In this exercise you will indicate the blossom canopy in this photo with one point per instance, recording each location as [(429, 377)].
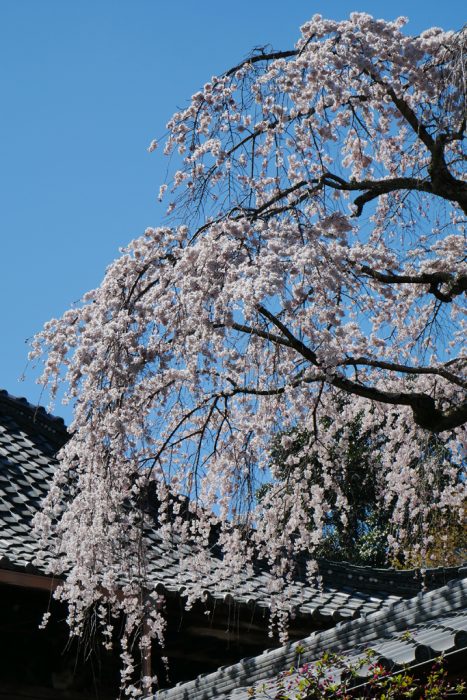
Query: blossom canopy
[(312, 268)]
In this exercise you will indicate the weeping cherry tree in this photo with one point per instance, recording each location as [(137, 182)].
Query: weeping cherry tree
[(311, 268)]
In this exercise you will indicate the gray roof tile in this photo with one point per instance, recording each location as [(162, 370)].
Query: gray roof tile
[(436, 620)]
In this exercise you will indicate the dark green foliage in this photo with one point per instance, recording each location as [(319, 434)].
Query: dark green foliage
[(363, 540), (357, 469)]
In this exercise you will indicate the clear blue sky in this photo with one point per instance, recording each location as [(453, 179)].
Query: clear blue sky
[(85, 86)]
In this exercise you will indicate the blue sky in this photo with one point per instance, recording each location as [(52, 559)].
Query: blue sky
[(85, 86)]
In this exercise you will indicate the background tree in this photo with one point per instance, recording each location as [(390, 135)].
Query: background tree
[(314, 249), (361, 535)]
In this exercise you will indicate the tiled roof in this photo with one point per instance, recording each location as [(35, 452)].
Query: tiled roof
[(436, 621), (29, 439), (345, 592)]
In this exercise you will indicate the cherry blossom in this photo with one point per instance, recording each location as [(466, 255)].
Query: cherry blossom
[(311, 267)]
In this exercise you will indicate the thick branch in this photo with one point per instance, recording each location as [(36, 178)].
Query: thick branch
[(375, 188), (274, 55), (410, 116), (456, 286), (443, 182), (404, 369), (266, 335), (406, 111), (371, 190), (300, 379), (423, 406), (295, 343)]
